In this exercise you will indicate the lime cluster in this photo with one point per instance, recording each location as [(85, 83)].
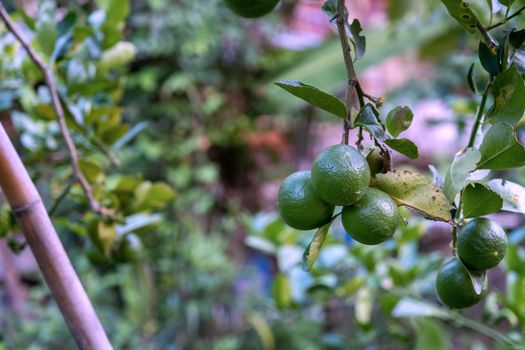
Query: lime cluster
[(340, 176), (462, 282)]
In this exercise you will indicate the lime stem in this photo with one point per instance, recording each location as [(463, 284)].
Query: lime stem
[(352, 80), (508, 18)]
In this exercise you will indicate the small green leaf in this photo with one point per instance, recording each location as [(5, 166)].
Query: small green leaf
[(501, 149), (462, 13), (506, 2), (118, 56), (149, 196), (399, 120), (430, 334), (517, 38), (359, 40), (489, 59), (106, 236), (513, 194), (479, 280), (414, 191), (314, 248), (368, 118), (509, 103), (479, 200), (404, 146), (92, 170), (281, 291), (316, 97), (46, 32), (471, 81), (464, 163)]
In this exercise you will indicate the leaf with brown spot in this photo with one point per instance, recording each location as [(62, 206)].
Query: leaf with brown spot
[(415, 191)]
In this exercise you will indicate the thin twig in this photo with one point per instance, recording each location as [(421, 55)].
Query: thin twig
[(57, 106), (60, 198), (491, 42), (500, 23), (472, 140), (352, 81)]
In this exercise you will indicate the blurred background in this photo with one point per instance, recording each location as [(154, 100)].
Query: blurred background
[(182, 93)]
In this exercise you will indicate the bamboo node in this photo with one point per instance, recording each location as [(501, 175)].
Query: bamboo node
[(21, 210)]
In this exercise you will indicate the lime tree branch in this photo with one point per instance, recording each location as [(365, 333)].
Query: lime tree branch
[(472, 140), (59, 110), (352, 80), (502, 22)]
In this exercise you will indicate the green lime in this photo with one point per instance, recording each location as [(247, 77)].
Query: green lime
[(482, 244), (375, 161), (298, 204), (457, 287), (340, 175), (373, 219), (251, 8)]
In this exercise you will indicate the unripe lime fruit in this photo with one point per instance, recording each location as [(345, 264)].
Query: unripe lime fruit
[(372, 219), (298, 204), (458, 288), (482, 244), (375, 162), (251, 8), (340, 175)]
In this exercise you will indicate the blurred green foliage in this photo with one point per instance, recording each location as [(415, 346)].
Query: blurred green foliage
[(174, 89)]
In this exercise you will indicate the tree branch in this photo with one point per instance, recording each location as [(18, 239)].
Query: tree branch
[(352, 80), (57, 106), (500, 23)]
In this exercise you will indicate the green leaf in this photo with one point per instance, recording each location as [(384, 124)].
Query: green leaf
[(364, 302), (463, 14), (149, 196), (46, 32), (117, 56), (106, 235), (464, 163), (488, 58), (330, 10), (281, 291), (92, 170), (506, 2), (501, 149), (478, 200), (316, 97), (478, 279), (414, 191), (399, 120), (368, 118), (359, 40), (404, 146), (517, 38), (513, 194), (430, 335), (314, 248), (471, 81), (509, 103)]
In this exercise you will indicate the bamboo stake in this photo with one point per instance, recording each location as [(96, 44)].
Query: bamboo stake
[(52, 259)]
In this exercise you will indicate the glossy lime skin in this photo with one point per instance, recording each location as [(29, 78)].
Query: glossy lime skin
[(298, 204), (373, 219), (251, 8), (375, 162), (454, 285), (482, 244), (340, 175)]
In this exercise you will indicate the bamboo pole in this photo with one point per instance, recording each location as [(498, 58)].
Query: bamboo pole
[(52, 259)]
